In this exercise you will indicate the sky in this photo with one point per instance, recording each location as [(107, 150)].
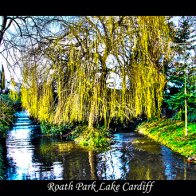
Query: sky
[(16, 73)]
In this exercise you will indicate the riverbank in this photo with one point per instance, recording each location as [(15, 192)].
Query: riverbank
[(7, 109), (91, 138), (171, 134), (130, 157)]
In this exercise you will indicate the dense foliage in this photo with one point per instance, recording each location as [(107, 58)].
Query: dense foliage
[(181, 72), (6, 113), (77, 82), (85, 75)]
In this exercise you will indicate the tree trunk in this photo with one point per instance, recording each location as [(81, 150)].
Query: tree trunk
[(3, 27), (185, 105)]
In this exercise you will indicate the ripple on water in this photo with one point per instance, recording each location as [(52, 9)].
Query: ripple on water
[(131, 157)]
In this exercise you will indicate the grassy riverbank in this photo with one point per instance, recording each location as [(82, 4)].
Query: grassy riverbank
[(9, 104), (91, 138), (7, 110), (171, 134)]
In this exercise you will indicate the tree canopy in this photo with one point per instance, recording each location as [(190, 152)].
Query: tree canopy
[(71, 82)]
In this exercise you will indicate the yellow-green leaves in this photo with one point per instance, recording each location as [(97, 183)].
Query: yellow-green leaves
[(77, 89)]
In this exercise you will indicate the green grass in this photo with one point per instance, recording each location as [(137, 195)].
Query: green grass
[(171, 134), (54, 129), (90, 138), (7, 110)]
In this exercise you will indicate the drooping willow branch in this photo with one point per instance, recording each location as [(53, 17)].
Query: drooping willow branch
[(73, 87)]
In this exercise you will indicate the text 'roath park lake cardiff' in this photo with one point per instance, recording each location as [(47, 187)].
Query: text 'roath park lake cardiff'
[(143, 186)]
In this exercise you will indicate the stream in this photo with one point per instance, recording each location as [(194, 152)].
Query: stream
[(32, 156)]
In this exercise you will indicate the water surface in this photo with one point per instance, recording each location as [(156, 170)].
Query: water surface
[(29, 155)]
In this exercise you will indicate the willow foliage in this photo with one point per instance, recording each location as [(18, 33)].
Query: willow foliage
[(74, 85)]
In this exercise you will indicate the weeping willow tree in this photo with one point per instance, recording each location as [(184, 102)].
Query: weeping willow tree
[(37, 92), (75, 83)]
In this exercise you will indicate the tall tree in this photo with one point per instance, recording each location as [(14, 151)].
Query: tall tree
[(78, 64), (180, 94), (21, 34), (2, 78)]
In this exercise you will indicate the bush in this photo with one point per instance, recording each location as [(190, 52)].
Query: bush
[(54, 129), (7, 111), (94, 138)]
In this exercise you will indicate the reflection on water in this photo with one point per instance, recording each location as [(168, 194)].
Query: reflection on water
[(115, 163), (131, 157)]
